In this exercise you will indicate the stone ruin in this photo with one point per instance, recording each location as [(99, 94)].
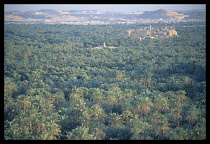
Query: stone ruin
[(153, 33)]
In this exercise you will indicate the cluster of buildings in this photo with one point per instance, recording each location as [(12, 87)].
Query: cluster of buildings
[(153, 33), (147, 33)]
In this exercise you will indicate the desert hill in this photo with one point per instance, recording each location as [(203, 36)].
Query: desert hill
[(51, 15), (162, 14)]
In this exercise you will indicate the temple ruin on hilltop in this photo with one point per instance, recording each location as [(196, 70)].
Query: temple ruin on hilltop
[(153, 33)]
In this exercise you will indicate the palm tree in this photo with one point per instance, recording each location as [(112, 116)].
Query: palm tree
[(129, 93), (11, 130), (99, 134), (126, 103), (52, 131), (98, 111), (162, 126), (140, 128), (136, 130), (80, 133), (199, 132), (189, 88), (181, 95), (192, 115), (135, 120), (114, 120), (23, 103), (116, 92), (31, 115), (155, 117), (161, 104), (9, 87), (75, 96), (41, 124), (8, 102), (96, 95), (177, 117), (21, 119), (178, 105), (125, 114), (147, 79), (77, 104), (180, 133), (110, 100), (143, 105), (58, 98), (85, 118), (53, 117), (46, 106)]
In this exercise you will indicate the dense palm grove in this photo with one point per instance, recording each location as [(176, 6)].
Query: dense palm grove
[(57, 88)]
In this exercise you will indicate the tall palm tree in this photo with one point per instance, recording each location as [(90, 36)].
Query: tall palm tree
[(125, 114), (80, 133), (9, 87), (11, 130), (53, 117), (99, 134), (177, 104), (147, 79), (8, 102), (23, 103), (192, 115), (126, 103), (136, 130), (97, 95), (52, 131), (129, 93), (46, 106), (161, 104), (180, 133), (189, 88), (58, 99), (162, 126), (110, 99), (199, 132), (85, 118), (144, 105), (177, 117), (135, 120), (155, 117), (41, 124), (97, 111), (140, 129), (31, 115), (114, 120), (181, 95), (75, 96), (116, 92)]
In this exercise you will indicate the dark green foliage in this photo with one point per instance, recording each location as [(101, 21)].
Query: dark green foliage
[(57, 88)]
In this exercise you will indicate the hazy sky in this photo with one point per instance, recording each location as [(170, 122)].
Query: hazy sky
[(104, 7)]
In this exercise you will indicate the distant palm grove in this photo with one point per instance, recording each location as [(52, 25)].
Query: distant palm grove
[(57, 87)]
